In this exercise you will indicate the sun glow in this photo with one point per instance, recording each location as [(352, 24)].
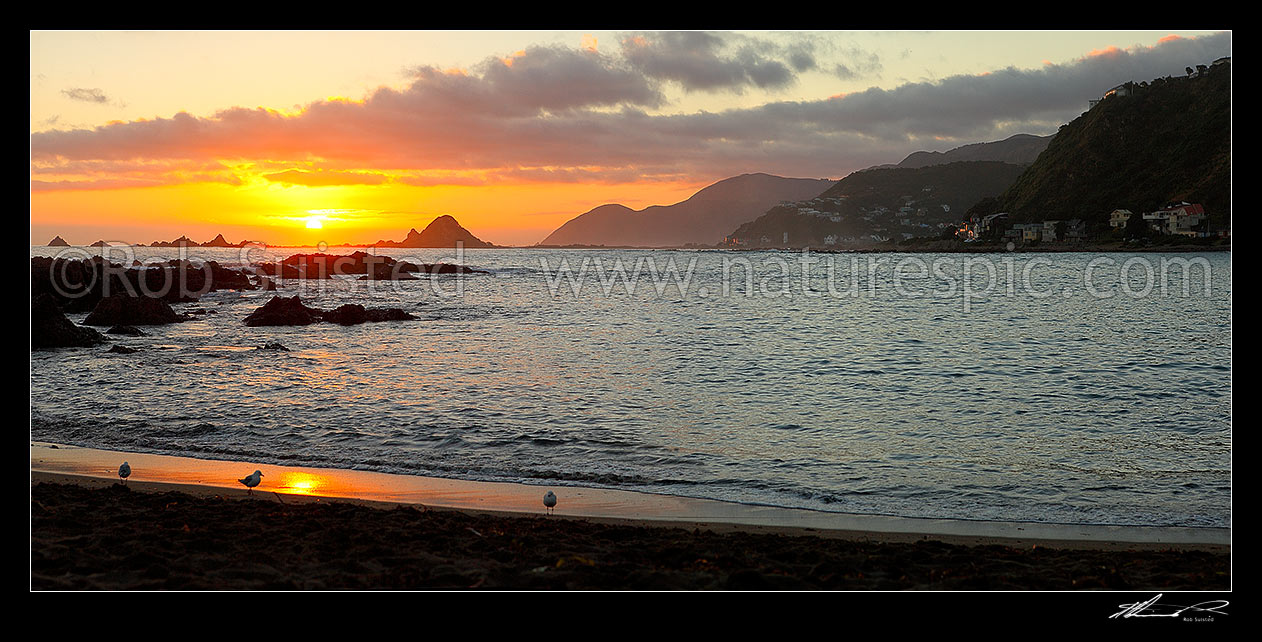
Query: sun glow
[(314, 223), (300, 483)]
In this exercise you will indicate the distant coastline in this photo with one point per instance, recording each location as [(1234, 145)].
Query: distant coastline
[(972, 248)]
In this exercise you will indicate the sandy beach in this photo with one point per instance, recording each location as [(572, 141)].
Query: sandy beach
[(92, 533)]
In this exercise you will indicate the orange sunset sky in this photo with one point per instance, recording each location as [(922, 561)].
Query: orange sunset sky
[(295, 137)]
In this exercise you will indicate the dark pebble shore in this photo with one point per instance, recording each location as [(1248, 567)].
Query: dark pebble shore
[(115, 538)]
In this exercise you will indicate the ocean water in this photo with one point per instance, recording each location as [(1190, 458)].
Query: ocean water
[(1066, 388)]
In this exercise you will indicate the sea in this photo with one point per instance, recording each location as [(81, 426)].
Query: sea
[(1071, 388)]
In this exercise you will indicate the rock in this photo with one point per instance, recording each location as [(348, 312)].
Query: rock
[(273, 346), (290, 271), (127, 310), (127, 330), (284, 311), (388, 314), (51, 329), (447, 268), (223, 278), (349, 314), (122, 350), (388, 277), (266, 284)]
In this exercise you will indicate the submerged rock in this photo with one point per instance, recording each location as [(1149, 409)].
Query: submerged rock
[(122, 350), (127, 330), (274, 345), (128, 310), (51, 329), (388, 314)]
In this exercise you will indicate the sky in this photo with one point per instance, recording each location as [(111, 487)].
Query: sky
[(296, 137)]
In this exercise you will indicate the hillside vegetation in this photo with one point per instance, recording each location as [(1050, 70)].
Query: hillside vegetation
[(1168, 141), (883, 203)]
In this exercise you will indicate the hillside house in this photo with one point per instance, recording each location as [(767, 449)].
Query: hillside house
[(1118, 218), (1049, 231), (1030, 231), (1075, 230), (1184, 219)]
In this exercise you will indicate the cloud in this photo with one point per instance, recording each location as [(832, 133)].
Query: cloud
[(702, 61), (86, 95), (536, 79), (859, 64), (557, 114), (323, 178)]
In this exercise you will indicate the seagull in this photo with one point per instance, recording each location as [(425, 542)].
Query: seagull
[(252, 481), (549, 501), (124, 471)]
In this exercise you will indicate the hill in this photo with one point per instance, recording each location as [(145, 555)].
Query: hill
[(1019, 149), (704, 219), (874, 205), (1146, 145), (443, 231)]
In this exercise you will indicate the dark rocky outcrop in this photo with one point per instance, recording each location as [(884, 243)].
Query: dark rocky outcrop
[(349, 314), (120, 349), (129, 310), (51, 329), (372, 267), (284, 311), (78, 285), (291, 311)]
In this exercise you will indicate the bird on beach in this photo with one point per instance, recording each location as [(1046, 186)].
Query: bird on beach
[(124, 471), (252, 480), (549, 501)]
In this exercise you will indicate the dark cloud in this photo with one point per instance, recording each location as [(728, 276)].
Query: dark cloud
[(701, 61), (86, 95), (555, 114), (536, 79)]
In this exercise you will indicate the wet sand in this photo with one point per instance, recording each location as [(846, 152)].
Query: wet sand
[(96, 534)]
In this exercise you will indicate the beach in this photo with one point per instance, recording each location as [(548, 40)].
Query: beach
[(94, 533)]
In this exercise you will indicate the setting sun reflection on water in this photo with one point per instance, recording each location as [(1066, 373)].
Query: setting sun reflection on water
[(299, 483)]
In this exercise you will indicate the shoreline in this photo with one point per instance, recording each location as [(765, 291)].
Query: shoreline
[(982, 249), (95, 468)]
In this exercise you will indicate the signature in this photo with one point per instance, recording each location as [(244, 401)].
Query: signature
[(1150, 608)]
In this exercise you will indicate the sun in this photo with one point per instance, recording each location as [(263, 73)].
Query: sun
[(314, 223)]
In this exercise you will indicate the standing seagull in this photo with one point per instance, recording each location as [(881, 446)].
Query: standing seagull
[(252, 481), (124, 471), (549, 501)]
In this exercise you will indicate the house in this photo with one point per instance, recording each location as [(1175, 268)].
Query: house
[(1184, 219), (981, 227), (1049, 231), (1075, 230), (1118, 218), (1030, 231)]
